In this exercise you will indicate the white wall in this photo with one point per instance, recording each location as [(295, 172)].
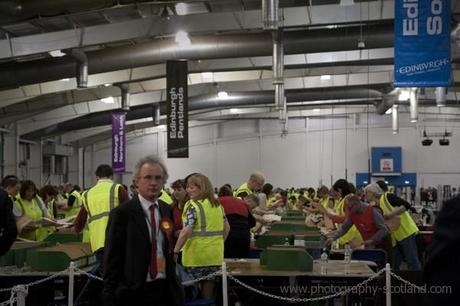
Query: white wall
[(314, 151)]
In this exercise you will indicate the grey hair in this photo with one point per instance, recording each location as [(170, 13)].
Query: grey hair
[(151, 159), (374, 188), (257, 175)]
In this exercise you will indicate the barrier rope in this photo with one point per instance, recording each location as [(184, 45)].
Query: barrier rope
[(302, 300), (406, 282), (23, 288), (38, 282)]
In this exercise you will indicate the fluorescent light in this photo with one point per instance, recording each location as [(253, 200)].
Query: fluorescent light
[(406, 182), (222, 95), (183, 39), (107, 84), (65, 80), (108, 100), (207, 76), (346, 2), (316, 110), (326, 77), (413, 121), (181, 8), (57, 53), (233, 110), (389, 111), (404, 95)]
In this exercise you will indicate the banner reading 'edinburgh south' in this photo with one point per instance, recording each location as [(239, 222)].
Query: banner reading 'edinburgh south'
[(422, 43)]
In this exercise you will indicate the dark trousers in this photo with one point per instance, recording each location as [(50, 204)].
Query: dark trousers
[(237, 244), (152, 293), (90, 295)]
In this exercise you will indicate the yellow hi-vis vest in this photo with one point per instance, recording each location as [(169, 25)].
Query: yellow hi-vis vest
[(205, 247), (76, 204), (325, 202), (243, 188), (34, 212), (98, 202), (407, 227), (85, 236), (165, 197), (353, 232)]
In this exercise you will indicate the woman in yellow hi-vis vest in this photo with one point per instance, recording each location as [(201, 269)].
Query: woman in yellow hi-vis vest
[(201, 240), (30, 210), (340, 189)]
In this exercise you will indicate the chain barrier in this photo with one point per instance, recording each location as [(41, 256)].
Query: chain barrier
[(186, 283), (38, 282), (196, 280), (77, 270), (406, 282), (24, 288), (302, 300)]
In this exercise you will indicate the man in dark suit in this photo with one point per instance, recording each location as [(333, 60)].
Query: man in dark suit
[(138, 261), (8, 230)]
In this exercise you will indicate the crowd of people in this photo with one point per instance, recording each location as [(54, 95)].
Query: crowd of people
[(140, 235)]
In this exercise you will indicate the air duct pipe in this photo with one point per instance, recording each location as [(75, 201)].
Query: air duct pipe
[(441, 96), (278, 68), (395, 119), (82, 68), (125, 97), (413, 106), (270, 14)]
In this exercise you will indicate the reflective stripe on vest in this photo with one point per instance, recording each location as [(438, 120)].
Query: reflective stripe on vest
[(99, 201), (203, 232), (407, 227), (106, 213), (243, 188)]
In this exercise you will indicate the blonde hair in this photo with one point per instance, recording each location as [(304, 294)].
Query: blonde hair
[(204, 184)]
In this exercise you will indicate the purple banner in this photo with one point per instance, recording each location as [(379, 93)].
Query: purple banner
[(118, 142)]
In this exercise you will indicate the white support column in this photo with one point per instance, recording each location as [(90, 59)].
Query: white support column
[(388, 284), (71, 283), (224, 284)]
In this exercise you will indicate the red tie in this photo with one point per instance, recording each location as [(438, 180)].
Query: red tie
[(153, 254)]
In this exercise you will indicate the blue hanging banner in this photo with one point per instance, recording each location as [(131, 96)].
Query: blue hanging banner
[(422, 43)]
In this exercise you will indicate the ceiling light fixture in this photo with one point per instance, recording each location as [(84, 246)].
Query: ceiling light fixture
[(182, 39), (181, 8), (404, 95), (57, 53), (222, 95), (108, 100), (316, 110), (326, 77)]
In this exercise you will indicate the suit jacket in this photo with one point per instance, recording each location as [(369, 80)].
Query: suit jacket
[(127, 255), (8, 230)]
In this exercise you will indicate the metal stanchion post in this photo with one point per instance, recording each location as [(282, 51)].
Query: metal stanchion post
[(224, 285), (71, 283), (388, 284), (21, 294)]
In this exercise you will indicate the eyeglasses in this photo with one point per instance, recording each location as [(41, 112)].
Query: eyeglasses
[(152, 177)]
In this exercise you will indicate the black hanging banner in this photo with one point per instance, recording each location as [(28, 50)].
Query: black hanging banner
[(177, 108)]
